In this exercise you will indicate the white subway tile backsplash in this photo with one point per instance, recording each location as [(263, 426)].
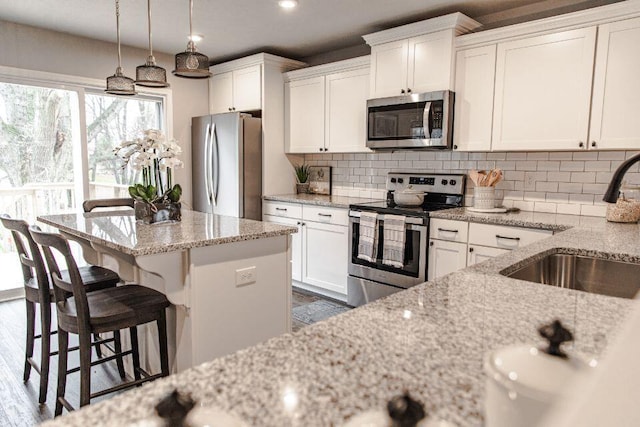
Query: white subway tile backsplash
[(559, 176), (571, 166), (585, 155), (562, 182), (560, 156)]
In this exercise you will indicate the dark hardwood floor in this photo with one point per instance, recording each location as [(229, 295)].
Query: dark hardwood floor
[(19, 401)]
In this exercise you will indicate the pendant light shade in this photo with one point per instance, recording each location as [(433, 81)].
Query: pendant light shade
[(191, 63), (149, 74), (119, 84)]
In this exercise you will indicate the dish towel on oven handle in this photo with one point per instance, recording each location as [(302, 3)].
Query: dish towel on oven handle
[(368, 236), (394, 239)]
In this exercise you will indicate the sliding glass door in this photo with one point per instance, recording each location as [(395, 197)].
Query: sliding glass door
[(39, 141)]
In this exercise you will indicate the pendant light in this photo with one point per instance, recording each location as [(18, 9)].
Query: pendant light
[(149, 74), (119, 84), (190, 63)]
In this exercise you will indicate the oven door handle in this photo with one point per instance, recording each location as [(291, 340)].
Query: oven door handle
[(414, 226), (408, 220)]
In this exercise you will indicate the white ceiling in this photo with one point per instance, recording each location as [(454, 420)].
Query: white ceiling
[(233, 28)]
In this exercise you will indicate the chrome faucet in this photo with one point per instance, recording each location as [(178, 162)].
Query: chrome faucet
[(611, 196)]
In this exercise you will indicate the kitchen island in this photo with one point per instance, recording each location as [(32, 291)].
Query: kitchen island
[(429, 340), (229, 279)]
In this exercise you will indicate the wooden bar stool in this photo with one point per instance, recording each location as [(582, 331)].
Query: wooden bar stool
[(38, 290), (106, 310)]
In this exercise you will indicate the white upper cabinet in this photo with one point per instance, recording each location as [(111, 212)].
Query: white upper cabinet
[(325, 108), (615, 110), (543, 89), (389, 69), (237, 90), (220, 93), (304, 114), (430, 60), (416, 57), (474, 88), (346, 111), (418, 64)]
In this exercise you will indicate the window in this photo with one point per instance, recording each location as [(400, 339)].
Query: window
[(111, 120)]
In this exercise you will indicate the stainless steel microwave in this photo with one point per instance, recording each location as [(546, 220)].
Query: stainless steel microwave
[(415, 121)]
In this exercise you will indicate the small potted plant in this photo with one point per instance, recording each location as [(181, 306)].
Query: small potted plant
[(302, 176)]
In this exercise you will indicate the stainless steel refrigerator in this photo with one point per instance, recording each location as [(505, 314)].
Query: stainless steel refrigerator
[(227, 165)]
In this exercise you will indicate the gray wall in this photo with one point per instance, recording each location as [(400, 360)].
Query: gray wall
[(38, 49)]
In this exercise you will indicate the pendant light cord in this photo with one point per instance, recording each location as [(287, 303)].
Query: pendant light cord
[(191, 20), (149, 18), (118, 32)]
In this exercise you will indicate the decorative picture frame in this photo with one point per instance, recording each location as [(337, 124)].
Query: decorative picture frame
[(320, 180)]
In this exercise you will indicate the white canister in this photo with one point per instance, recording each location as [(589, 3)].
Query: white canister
[(484, 197), (523, 382)]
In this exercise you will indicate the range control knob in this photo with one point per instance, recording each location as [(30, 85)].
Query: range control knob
[(452, 182), (393, 180), (400, 180), (444, 182)]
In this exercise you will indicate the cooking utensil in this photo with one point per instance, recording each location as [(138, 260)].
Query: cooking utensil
[(408, 197)]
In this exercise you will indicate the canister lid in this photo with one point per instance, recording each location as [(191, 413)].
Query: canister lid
[(532, 372)]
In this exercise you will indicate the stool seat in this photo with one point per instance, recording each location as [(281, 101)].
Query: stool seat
[(93, 277), (114, 308)]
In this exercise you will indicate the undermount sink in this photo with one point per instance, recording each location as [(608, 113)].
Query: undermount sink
[(583, 273)]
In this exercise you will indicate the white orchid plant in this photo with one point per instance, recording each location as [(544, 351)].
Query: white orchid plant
[(155, 156)]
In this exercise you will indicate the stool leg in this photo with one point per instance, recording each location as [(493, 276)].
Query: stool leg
[(133, 332), (45, 358), (85, 367), (63, 345), (162, 337), (117, 345), (96, 337), (31, 320)]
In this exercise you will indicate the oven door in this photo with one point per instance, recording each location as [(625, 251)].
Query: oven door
[(414, 270)]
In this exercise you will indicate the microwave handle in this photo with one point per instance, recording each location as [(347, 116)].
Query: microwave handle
[(426, 123)]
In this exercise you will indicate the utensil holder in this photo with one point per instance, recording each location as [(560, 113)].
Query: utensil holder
[(484, 197)]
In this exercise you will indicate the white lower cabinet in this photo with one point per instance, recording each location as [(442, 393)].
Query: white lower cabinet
[(455, 245), (320, 248), (325, 256), (478, 254), (296, 244), (445, 257)]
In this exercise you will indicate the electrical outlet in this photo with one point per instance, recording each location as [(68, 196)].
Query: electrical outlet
[(245, 276)]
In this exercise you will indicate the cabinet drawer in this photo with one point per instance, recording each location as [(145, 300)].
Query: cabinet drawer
[(287, 210), (499, 236), (337, 216), (446, 229)]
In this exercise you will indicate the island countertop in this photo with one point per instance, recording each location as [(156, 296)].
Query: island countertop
[(119, 230), (430, 340)]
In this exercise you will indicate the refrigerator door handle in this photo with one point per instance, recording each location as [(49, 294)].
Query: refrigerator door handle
[(207, 164), (216, 174)]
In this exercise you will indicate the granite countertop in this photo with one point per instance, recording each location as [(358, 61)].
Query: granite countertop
[(539, 220), (319, 199), (430, 340), (119, 230)]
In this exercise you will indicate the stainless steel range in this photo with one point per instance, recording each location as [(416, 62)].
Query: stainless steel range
[(372, 277)]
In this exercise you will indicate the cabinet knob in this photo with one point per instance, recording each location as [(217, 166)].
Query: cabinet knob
[(299, 223), (402, 91), (409, 90), (326, 149), (470, 249), (430, 243), (593, 144), (581, 144), (455, 147), (321, 149)]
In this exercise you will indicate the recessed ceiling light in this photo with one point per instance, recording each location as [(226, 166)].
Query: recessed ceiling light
[(287, 4), (196, 38)]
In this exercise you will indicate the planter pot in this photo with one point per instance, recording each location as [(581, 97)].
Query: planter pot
[(152, 213), (302, 188)]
